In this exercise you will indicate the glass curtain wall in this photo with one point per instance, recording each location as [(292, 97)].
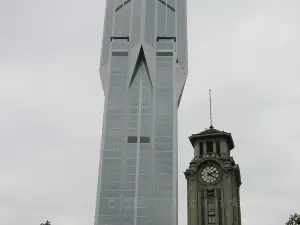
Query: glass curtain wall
[(138, 166)]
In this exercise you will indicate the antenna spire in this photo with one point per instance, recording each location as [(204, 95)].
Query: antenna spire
[(211, 126)]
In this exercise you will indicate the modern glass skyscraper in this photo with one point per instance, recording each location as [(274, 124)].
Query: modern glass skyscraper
[(143, 71)]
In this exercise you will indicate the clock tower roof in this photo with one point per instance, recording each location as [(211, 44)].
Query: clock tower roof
[(211, 133)]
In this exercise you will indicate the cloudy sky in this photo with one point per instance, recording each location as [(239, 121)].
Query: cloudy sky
[(51, 104)]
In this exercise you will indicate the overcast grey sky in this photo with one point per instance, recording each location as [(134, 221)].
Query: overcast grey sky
[(51, 104)]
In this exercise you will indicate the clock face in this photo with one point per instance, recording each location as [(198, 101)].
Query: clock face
[(210, 174)]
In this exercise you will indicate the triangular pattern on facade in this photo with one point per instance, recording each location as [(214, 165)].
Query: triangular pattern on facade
[(141, 59)]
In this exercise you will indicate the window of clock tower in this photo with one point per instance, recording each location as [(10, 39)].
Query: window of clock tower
[(210, 197), (218, 147), (210, 194), (201, 148), (211, 217), (209, 147)]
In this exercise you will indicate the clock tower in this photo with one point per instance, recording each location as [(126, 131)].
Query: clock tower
[(213, 180)]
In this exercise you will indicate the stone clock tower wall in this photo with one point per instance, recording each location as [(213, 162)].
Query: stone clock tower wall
[(213, 200)]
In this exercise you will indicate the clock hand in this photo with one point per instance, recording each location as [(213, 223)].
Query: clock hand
[(212, 175)]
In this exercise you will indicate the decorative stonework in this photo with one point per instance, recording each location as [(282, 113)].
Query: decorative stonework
[(217, 201)]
